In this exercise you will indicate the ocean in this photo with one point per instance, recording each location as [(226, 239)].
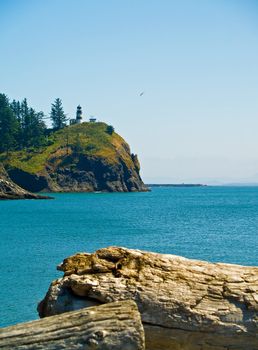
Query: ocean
[(208, 223)]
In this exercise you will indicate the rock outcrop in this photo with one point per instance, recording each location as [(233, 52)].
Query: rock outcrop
[(184, 304), (79, 158), (113, 326), (9, 190)]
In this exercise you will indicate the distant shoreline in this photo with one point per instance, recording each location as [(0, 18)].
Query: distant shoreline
[(176, 185), (205, 185)]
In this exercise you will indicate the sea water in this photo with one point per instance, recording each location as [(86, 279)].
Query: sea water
[(208, 223)]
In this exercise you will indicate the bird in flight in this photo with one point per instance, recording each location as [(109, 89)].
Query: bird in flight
[(141, 93)]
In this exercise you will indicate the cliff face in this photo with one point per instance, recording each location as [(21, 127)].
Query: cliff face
[(79, 158), (9, 190)]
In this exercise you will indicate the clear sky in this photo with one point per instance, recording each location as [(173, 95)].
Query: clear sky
[(195, 60)]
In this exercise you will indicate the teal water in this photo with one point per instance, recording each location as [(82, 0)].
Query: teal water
[(209, 223)]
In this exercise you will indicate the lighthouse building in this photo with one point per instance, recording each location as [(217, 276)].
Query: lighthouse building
[(78, 118)]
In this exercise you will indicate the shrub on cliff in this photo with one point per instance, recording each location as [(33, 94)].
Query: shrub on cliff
[(110, 129)]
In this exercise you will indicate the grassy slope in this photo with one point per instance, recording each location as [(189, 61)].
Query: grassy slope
[(92, 139)]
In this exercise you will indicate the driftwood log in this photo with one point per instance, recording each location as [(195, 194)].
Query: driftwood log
[(184, 304), (113, 326)]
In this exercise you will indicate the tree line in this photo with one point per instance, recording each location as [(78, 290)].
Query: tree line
[(22, 127)]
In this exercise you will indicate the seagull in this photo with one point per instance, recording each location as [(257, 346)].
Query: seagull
[(141, 93)]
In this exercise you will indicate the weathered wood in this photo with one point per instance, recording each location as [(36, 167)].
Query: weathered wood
[(113, 326), (184, 304)]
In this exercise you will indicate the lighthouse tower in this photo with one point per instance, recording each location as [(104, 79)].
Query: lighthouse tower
[(79, 115)]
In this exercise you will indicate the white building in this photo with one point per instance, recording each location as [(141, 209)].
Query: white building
[(78, 118)]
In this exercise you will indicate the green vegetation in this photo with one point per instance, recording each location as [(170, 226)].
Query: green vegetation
[(21, 126), (89, 139), (57, 115), (26, 143), (110, 129), (9, 127)]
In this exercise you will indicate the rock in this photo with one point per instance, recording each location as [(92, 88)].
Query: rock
[(81, 158), (9, 190), (184, 304), (113, 326)]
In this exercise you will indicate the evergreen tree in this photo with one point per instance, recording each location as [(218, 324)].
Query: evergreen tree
[(25, 123), (8, 125), (32, 126), (31, 132), (16, 108), (57, 115), (37, 128)]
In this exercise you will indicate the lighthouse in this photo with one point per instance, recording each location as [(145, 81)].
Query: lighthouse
[(78, 118), (79, 115)]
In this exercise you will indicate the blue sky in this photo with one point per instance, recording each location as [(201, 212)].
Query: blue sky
[(196, 62)]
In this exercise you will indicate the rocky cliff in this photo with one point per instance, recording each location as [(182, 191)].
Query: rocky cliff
[(78, 158), (184, 304), (9, 190)]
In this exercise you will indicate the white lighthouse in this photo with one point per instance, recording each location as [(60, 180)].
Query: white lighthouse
[(78, 118), (79, 115)]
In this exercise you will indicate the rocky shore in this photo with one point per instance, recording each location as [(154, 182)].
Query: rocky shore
[(184, 304), (9, 190), (72, 173)]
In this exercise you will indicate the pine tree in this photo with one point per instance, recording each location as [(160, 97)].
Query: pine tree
[(20, 126), (16, 108), (37, 129), (25, 123), (8, 125), (57, 115), (33, 126)]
